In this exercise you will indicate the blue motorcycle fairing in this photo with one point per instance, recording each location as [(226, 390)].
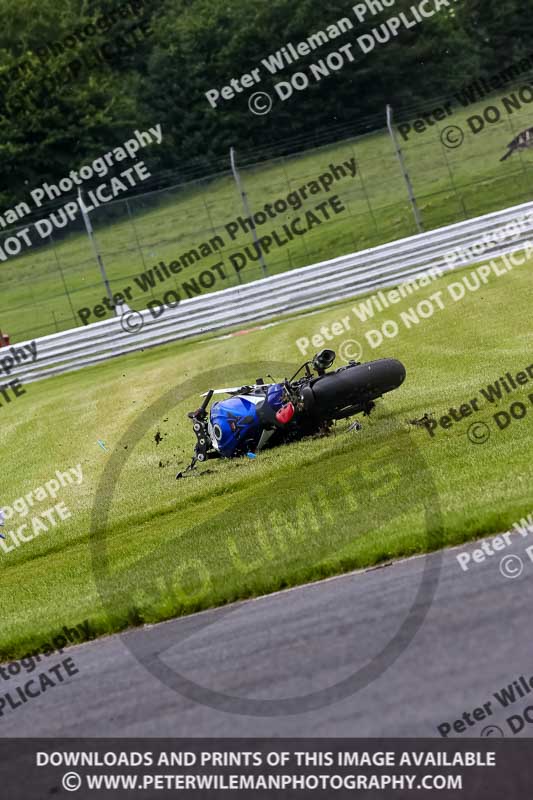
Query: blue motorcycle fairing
[(236, 420), (275, 396)]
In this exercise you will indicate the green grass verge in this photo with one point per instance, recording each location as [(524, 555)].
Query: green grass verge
[(244, 528)]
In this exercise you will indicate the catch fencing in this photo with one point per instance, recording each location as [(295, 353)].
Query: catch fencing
[(454, 168), (301, 290)]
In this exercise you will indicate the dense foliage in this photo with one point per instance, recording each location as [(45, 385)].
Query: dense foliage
[(55, 114)]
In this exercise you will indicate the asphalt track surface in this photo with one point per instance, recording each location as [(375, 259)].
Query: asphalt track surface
[(476, 638)]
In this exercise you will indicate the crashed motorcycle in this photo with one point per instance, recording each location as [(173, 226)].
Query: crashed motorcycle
[(267, 414)]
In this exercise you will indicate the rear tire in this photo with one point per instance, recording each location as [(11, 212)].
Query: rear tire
[(356, 386)]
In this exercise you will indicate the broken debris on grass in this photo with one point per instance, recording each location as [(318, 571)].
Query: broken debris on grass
[(422, 422)]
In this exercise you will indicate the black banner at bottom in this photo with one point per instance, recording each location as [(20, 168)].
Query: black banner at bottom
[(269, 768)]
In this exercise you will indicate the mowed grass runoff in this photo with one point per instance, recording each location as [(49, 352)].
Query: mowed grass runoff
[(43, 290), (240, 528)]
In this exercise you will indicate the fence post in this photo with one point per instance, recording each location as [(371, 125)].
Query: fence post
[(246, 208), (454, 187), (404, 170), (90, 234), (65, 287), (130, 215)]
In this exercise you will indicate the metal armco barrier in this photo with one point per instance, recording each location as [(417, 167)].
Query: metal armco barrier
[(299, 290)]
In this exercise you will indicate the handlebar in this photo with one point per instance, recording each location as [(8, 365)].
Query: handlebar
[(207, 400), (200, 412)]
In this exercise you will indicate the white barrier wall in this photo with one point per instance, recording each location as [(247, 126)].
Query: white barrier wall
[(296, 291)]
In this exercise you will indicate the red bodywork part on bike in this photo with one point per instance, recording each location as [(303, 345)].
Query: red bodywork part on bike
[(285, 414)]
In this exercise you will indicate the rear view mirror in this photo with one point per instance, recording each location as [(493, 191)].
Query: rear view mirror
[(323, 360)]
